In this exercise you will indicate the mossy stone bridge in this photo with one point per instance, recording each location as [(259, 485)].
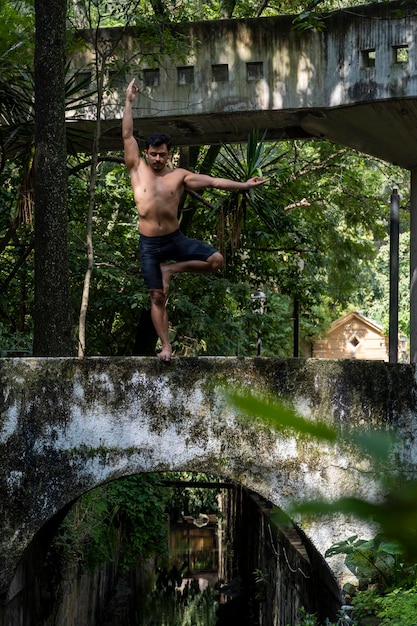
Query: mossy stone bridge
[(69, 425)]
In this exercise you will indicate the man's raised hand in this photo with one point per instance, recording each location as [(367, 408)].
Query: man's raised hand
[(131, 90)]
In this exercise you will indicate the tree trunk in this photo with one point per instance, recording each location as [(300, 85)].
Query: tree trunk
[(52, 314), (146, 337), (82, 326)]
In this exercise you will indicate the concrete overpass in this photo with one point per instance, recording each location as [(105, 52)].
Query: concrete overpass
[(354, 83), (68, 426)]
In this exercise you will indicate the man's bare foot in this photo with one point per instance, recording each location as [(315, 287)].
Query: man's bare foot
[(167, 274), (165, 354)]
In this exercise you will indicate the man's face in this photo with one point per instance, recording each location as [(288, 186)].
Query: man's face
[(157, 157)]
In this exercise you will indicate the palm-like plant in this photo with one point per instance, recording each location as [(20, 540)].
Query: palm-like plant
[(16, 101), (17, 127), (256, 158)]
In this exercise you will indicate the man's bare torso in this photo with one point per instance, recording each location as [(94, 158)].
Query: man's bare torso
[(157, 195)]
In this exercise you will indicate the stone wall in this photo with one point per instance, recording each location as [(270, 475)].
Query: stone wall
[(271, 568)]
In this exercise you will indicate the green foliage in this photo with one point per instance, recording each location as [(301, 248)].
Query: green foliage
[(129, 518), (376, 304), (387, 582), (142, 515), (16, 34), (192, 608), (16, 84), (260, 580), (192, 500), (308, 20), (318, 219), (282, 418), (126, 515), (397, 607), (117, 290), (310, 619), (373, 561), (306, 619), (210, 314), (14, 343), (243, 162)]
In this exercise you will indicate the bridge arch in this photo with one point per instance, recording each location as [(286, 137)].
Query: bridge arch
[(70, 425), (294, 572)]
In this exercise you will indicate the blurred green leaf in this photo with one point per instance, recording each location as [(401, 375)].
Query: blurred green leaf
[(280, 417)]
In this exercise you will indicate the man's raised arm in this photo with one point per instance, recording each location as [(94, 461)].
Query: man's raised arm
[(131, 148)]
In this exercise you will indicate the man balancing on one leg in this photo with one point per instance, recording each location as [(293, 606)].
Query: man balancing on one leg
[(157, 190)]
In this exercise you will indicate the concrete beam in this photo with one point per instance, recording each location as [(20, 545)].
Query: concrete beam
[(354, 83)]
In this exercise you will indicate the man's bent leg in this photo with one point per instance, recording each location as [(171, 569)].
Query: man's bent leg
[(213, 263), (160, 322)]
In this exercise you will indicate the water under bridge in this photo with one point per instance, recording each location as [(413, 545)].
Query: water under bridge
[(69, 425)]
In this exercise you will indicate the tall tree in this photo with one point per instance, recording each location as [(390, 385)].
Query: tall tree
[(103, 55), (52, 312)]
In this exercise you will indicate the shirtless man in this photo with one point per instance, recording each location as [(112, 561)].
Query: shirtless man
[(157, 191)]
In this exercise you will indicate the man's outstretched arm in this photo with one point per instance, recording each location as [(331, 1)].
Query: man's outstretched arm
[(200, 181), (131, 148)]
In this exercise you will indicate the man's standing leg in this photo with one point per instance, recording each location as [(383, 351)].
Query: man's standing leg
[(160, 322)]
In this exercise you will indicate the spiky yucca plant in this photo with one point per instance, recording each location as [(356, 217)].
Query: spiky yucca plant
[(256, 158)]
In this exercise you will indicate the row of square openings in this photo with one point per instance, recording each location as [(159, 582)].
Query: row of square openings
[(185, 75), (219, 74), (399, 55), (254, 70)]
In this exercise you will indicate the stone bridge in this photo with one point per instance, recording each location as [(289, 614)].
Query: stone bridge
[(69, 425)]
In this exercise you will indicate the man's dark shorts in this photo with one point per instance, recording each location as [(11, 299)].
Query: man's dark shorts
[(172, 247)]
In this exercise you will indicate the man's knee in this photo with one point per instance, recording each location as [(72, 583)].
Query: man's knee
[(157, 297), (216, 261)]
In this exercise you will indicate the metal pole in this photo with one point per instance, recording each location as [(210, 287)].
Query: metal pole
[(258, 302), (393, 282), (296, 314), (259, 344), (296, 334), (413, 267)]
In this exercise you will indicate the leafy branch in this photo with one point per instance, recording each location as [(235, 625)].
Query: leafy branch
[(396, 513)]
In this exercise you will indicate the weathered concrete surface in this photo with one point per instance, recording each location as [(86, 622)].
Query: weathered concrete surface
[(347, 83), (67, 426)]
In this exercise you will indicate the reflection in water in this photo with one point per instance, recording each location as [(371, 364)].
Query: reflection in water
[(186, 594), (191, 607)]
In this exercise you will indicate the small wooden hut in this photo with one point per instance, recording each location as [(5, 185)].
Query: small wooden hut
[(352, 336)]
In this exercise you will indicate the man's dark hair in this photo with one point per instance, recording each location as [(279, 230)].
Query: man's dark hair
[(158, 139)]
